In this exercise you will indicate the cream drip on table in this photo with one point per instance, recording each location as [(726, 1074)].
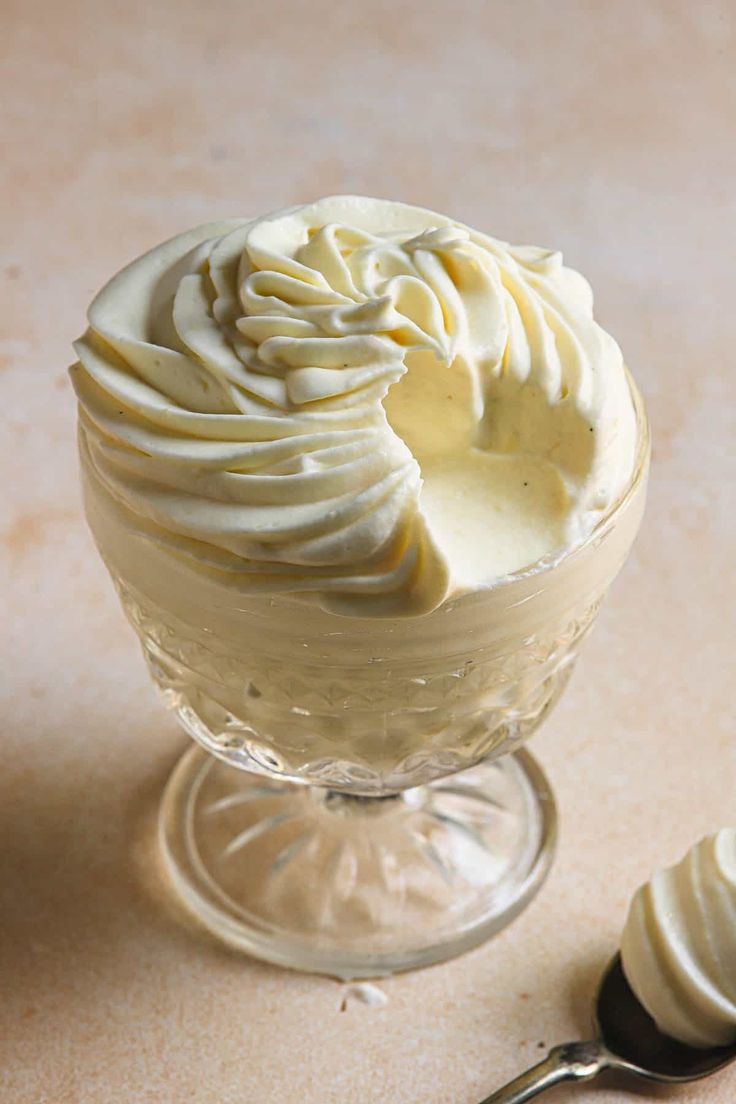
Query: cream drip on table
[(679, 944), (355, 400)]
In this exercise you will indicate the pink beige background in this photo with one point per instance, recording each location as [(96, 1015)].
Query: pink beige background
[(604, 129)]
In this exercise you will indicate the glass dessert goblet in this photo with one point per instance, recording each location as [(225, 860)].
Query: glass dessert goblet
[(357, 802)]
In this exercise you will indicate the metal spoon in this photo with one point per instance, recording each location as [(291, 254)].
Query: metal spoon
[(626, 1039)]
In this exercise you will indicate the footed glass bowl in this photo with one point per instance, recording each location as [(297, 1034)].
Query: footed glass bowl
[(357, 802)]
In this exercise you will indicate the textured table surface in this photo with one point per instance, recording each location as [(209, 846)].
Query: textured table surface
[(602, 129)]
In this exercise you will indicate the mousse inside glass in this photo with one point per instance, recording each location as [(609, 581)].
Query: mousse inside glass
[(295, 529)]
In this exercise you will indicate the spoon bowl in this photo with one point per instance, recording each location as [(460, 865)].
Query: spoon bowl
[(627, 1039), (636, 1044)]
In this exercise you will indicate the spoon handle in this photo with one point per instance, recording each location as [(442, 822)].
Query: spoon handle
[(569, 1062)]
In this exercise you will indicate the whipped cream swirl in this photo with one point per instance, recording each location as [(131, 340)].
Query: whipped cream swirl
[(234, 390), (679, 944)]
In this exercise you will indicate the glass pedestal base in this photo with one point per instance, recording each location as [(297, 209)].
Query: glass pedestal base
[(356, 887)]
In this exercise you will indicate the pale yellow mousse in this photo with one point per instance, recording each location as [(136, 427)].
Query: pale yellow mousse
[(488, 512), (679, 945), (356, 400)]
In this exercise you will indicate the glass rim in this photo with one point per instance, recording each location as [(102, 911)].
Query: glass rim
[(537, 569)]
